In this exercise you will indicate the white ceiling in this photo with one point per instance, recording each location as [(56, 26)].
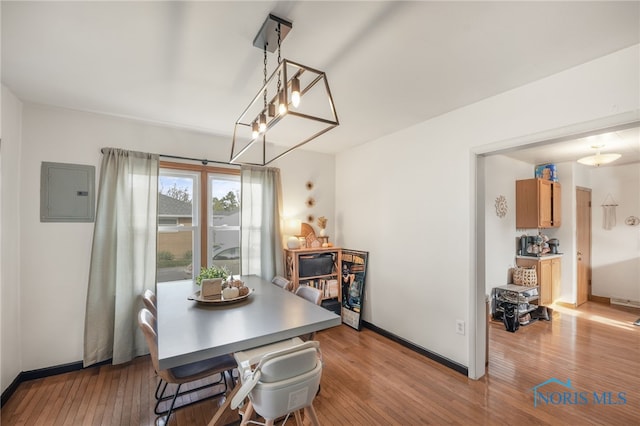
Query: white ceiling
[(390, 64), (625, 142)]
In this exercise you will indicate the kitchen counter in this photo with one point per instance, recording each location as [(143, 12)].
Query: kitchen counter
[(542, 256)]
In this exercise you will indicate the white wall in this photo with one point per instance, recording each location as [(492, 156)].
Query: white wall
[(616, 252), (418, 222), (407, 198), (55, 256), (298, 168), (10, 363), (500, 178)]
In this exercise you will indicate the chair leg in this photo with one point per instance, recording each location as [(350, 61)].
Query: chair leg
[(299, 421), (160, 398), (246, 415), (310, 413), (173, 401)]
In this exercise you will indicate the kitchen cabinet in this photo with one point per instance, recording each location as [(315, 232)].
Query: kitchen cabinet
[(538, 204), (316, 267), (548, 272)]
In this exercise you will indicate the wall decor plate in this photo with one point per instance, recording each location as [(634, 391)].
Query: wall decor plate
[(632, 221), (501, 206)]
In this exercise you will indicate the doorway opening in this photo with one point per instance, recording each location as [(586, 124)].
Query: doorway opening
[(483, 232)]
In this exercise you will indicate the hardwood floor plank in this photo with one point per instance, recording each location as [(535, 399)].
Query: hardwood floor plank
[(49, 403), (62, 408), (371, 380)]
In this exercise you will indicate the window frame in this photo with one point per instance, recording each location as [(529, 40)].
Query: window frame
[(204, 199)]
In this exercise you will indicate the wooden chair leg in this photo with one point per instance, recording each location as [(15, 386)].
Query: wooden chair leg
[(222, 408), (310, 413), (248, 412)]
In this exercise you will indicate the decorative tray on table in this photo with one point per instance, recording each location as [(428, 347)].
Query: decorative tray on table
[(219, 300)]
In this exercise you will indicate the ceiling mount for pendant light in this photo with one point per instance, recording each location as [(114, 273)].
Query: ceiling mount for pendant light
[(598, 159), (293, 107)]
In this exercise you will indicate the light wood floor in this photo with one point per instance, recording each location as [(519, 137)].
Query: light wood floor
[(369, 380)]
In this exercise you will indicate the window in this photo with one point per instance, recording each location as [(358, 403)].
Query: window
[(186, 243)]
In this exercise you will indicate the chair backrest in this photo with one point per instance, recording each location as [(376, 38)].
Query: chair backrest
[(312, 294), (278, 375), (147, 323), (149, 300), (282, 282)]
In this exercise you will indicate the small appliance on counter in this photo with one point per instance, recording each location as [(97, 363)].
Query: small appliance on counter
[(538, 245), (524, 242)]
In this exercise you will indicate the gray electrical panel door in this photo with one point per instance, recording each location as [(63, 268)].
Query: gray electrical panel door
[(67, 192)]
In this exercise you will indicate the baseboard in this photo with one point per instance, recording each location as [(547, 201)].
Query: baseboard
[(566, 304), (422, 351), (600, 299), (42, 373), (51, 371), (10, 390)]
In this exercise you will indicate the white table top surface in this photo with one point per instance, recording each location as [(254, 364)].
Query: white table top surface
[(189, 331)]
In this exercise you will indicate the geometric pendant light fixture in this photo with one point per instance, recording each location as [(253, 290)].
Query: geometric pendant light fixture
[(293, 106)]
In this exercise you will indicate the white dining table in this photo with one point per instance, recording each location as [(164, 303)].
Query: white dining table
[(190, 331)]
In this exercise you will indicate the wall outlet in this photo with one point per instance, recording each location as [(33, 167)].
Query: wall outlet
[(460, 327)]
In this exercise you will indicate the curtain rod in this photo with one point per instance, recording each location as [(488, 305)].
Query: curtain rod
[(203, 161)]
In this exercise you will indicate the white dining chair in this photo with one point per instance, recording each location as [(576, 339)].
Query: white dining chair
[(312, 294), (282, 282)]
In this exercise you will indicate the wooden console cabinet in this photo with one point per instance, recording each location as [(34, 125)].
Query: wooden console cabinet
[(548, 271), (537, 204), (323, 281)]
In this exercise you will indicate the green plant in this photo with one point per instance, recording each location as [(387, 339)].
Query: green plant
[(188, 255), (212, 272), (165, 255)]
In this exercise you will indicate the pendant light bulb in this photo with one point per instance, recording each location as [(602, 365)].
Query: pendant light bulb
[(254, 130), (282, 103), (295, 92), (262, 127)]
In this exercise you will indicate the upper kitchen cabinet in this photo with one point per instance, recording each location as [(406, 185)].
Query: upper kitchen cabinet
[(537, 203)]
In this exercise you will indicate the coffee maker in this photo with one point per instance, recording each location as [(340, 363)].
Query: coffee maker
[(524, 243), (553, 245)]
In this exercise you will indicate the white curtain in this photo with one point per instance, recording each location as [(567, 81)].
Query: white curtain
[(123, 256), (262, 250)]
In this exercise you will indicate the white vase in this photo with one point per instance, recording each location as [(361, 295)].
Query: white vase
[(322, 232), (293, 243)]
